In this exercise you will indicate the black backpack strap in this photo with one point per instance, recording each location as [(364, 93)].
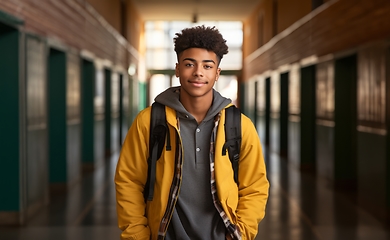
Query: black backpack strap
[(158, 130), (233, 137)]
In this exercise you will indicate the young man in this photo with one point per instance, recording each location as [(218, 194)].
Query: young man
[(195, 195)]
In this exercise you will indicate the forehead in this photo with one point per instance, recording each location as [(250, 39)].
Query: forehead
[(198, 54)]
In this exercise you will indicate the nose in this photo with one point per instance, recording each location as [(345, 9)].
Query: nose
[(198, 71)]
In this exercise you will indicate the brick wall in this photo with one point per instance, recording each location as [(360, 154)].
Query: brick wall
[(76, 24), (335, 27)]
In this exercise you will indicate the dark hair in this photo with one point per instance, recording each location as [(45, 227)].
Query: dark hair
[(201, 37)]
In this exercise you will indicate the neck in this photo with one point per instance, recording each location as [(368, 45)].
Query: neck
[(197, 106)]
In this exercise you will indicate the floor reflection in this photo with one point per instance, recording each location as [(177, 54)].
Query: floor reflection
[(305, 207), (301, 207)]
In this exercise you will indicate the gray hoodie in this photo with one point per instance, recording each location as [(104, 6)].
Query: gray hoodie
[(195, 216)]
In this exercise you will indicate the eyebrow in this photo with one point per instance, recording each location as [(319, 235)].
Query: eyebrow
[(193, 60)]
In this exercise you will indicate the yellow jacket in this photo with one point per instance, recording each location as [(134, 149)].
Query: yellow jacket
[(244, 204)]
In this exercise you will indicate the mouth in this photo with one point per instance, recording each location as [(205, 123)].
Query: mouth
[(197, 83)]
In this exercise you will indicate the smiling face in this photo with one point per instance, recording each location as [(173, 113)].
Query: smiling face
[(197, 70)]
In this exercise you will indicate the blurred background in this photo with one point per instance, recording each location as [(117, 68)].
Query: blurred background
[(313, 75)]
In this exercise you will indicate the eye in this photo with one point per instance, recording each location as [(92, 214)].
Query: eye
[(189, 65), (207, 67)]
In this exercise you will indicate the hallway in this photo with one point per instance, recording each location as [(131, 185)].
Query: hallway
[(300, 207)]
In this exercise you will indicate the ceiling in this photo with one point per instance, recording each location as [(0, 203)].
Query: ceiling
[(185, 10)]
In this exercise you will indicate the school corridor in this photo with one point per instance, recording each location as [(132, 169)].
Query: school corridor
[(314, 75)]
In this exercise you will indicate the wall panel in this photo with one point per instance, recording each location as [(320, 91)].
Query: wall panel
[(37, 161), (73, 108), (10, 182), (371, 172)]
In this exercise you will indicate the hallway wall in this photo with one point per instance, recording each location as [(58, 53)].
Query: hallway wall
[(63, 65), (333, 27), (345, 138)]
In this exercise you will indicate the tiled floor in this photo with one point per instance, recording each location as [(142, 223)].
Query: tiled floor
[(303, 207), (300, 207)]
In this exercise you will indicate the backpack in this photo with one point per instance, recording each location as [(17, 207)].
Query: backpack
[(159, 128)]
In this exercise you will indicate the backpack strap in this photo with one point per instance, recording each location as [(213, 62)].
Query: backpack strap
[(158, 130), (233, 137)]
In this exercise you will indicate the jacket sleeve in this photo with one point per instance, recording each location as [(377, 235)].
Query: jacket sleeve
[(253, 184), (130, 178)]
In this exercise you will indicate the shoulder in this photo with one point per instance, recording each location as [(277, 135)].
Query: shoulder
[(248, 129), (142, 120), (245, 120), (144, 114)]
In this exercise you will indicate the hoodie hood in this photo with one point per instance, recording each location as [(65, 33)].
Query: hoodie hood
[(171, 98)]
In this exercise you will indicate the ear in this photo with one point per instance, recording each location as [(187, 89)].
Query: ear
[(217, 74), (177, 70)]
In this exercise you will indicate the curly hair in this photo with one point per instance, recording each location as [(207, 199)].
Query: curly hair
[(201, 37)]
